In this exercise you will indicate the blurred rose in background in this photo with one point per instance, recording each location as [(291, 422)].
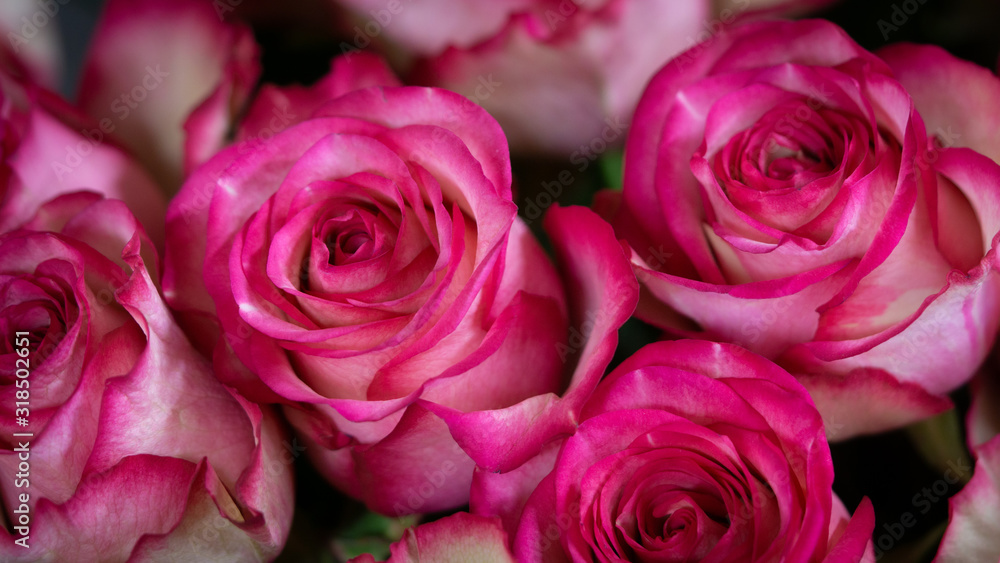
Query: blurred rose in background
[(557, 74)]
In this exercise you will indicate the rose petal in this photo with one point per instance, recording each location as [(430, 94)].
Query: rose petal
[(458, 538), (973, 534), (276, 108), (121, 494), (52, 160), (959, 117), (603, 293), (505, 494), (865, 401), (151, 77), (855, 543)]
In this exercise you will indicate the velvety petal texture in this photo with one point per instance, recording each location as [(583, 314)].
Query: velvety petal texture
[(172, 92), (48, 148), (364, 267), (687, 451), (459, 538), (131, 450), (806, 210)]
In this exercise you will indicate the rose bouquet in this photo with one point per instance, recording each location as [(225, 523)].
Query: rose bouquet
[(515, 281)]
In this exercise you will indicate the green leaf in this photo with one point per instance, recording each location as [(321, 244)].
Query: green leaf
[(612, 165), (346, 549), (939, 441), (371, 524)]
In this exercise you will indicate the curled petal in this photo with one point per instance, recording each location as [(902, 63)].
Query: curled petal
[(603, 294), (958, 117)]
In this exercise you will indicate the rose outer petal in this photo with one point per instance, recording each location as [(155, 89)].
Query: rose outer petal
[(459, 538), (973, 532), (959, 117), (276, 108), (146, 78), (52, 159), (603, 294)]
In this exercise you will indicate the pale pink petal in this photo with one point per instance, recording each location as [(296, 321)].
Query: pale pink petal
[(505, 494), (416, 468), (754, 315), (602, 293), (554, 81), (429, 28), (31, 36), (121, 496), (961, 321), (207, 127), (395, 108), (147, 78), (958, 117), (53, 159), (865, 401), (973, 530), (459, 538)]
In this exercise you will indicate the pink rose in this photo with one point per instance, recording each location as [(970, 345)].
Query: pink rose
[(30, 42), (564, 77), (459, 538), (365, 267), (795, 194), (118, 443), (170, 93), (973, 532), (688, 451), (48, 148), (561, 76), (433, 26)]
